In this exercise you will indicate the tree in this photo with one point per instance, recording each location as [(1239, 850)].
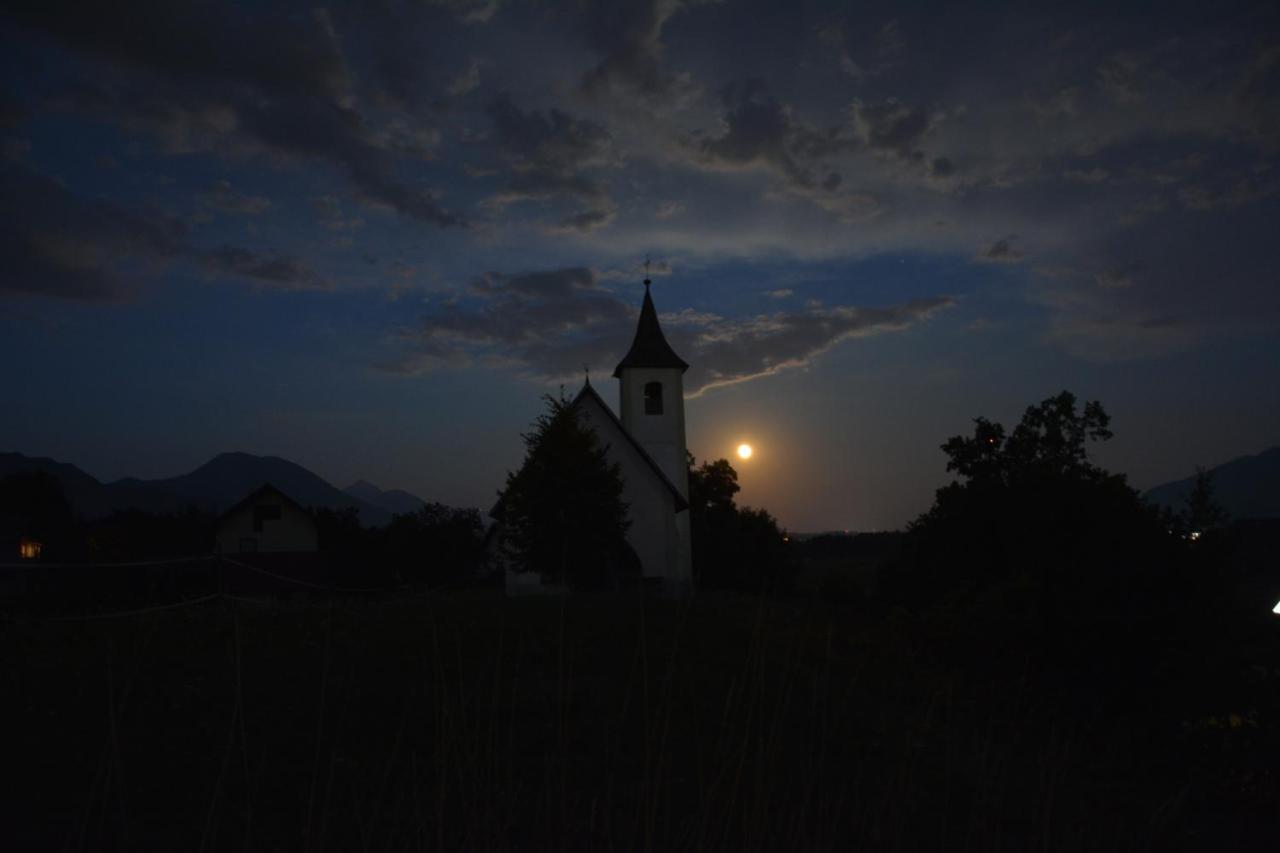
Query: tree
[(712, 486), (435, 545), (1032, 526), (562, 513), (1202, 513), (733, 548)]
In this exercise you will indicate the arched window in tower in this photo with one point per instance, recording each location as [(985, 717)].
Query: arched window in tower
[(653, 398)]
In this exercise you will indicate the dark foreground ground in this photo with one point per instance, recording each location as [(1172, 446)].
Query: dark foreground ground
[(468, 721)]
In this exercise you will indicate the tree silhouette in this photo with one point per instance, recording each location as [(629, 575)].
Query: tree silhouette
[(733, 547), (1202, 513), (1033, 527), (562, 513)]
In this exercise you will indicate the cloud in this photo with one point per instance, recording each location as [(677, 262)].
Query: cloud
[(739, 351), (549, 324), (274, 271), (760, 132), (466, 82), (548, 154), (629, 34), (469, 11), (1001, 251), (894, 128), (332, 216), (57, 244), (203, 80), (222, 197)]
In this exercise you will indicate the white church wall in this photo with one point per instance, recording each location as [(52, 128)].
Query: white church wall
[(652, 533), (663, 436)]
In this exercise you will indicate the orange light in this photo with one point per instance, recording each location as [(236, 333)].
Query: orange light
[(29, 549)]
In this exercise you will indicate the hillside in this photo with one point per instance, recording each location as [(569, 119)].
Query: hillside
[(1248, 487), (394, 501), (214, 486)]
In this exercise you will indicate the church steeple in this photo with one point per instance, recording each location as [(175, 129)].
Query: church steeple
[(651, 394), (650, 347)]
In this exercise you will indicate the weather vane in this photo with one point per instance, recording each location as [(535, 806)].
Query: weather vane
[(586, 368)]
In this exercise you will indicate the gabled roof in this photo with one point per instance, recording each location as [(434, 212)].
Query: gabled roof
[(650, 347), (588, 392), (262, 491)]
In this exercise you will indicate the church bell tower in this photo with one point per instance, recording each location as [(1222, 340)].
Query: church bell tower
[(652, 407)]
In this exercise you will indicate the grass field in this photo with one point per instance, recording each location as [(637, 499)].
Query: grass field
[(470, 721)]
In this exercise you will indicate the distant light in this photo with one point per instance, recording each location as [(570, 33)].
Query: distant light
[(29, 549), (1193, 535), (744, 451), (1276, 609)]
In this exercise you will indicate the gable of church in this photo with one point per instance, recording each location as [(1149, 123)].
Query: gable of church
[(635, 460)]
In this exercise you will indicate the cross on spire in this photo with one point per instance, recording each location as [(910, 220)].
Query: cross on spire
[(646, 272)]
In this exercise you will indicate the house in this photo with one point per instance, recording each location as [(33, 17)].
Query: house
[(266, 521), (646, 439)]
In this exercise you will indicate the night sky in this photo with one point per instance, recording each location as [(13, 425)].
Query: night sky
[(369, 237)]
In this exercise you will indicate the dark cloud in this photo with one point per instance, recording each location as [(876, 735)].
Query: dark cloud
[(893, 128), (332, 216), (737, 351), (204, 80), (1001, 251), (55, 243), (552, 323), (469, 11), (759, 131), (548, 155), (587, 220), (224, 198), (274, 271), (629, 35)]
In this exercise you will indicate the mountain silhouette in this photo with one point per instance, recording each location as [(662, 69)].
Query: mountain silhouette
[(394, 501), (214, 486), (1248, 487)]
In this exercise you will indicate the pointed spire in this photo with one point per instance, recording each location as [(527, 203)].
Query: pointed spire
[(650, 347)]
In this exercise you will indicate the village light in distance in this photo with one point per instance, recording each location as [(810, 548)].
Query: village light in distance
[(744, 451)]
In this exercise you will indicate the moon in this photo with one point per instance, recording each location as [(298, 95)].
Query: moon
[(744, 451)]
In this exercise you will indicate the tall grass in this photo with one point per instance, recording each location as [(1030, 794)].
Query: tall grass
[(473, 722)]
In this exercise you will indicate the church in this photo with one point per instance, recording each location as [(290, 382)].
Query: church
[(646, 439)]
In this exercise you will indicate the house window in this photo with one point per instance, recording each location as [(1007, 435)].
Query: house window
[(29, 549), (264, 512), (653, 398)]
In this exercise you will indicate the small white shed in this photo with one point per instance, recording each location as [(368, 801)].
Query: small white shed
[(267, 521)]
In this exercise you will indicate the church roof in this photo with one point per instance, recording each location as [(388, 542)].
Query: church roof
[(588, 392), (650, 347)]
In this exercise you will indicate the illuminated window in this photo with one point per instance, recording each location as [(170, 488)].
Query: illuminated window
[(29, 549), (653, 398)]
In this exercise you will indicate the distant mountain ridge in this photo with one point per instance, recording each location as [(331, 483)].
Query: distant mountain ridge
[(214, 487), (1248, 487), (394, 501)]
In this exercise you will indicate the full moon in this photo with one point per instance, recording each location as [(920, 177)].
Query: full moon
[(744, 451)]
